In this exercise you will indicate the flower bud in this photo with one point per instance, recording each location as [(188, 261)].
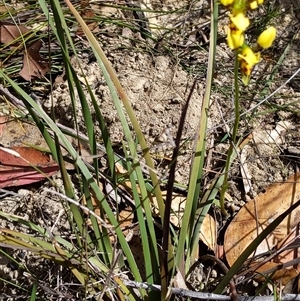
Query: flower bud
[(267, 37)]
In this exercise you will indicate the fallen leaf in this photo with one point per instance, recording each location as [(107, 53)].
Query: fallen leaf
[(33, 63), (125, 219), (15, 168), (257, 214), (291, 240), (126, 184), (10, 32), (284, 275), (92, 25), (179, 281), (15, 130), (208, 232), (208, 228)]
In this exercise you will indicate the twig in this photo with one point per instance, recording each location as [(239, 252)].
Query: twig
[(176, 291), (16, 101), (5, 193), (207, 296)]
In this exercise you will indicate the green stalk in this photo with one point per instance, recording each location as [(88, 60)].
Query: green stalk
[(234, 133), (185, 236)]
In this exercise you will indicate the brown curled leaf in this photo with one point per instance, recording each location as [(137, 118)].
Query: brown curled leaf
[(33, 63), (10, 33), (16, 169), (14, 36)]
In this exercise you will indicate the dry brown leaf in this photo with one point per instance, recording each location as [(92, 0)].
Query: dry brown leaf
[(14, 131), (208, 232), (10, 32), (257, 214), (284, 275), (179, 281), (289, 254), (33, 63), (87, 14), (92, 25), (208, 228), (125, 184), (16, 169), (125, 218)]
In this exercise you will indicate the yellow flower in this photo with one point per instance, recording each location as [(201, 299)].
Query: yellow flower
[(267, 37), (240, 21), (235, 37), (249, 56), (226, 2), (253, 5), (248, 59)]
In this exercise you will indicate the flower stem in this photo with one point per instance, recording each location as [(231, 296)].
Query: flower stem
[(232, 146)]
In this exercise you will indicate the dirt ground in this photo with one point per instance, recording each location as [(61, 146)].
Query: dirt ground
[(157, 73)]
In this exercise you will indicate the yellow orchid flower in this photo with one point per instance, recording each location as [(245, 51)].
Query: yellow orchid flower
[(240, 21), (248, 59), (267, 37), (246, 72), (249, 56), (235, 37)]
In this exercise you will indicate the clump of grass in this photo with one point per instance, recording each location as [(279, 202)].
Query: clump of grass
[(97, 262)]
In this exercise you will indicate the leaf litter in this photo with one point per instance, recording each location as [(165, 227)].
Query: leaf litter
[(259, 213), (21, 164), (15, 36)]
